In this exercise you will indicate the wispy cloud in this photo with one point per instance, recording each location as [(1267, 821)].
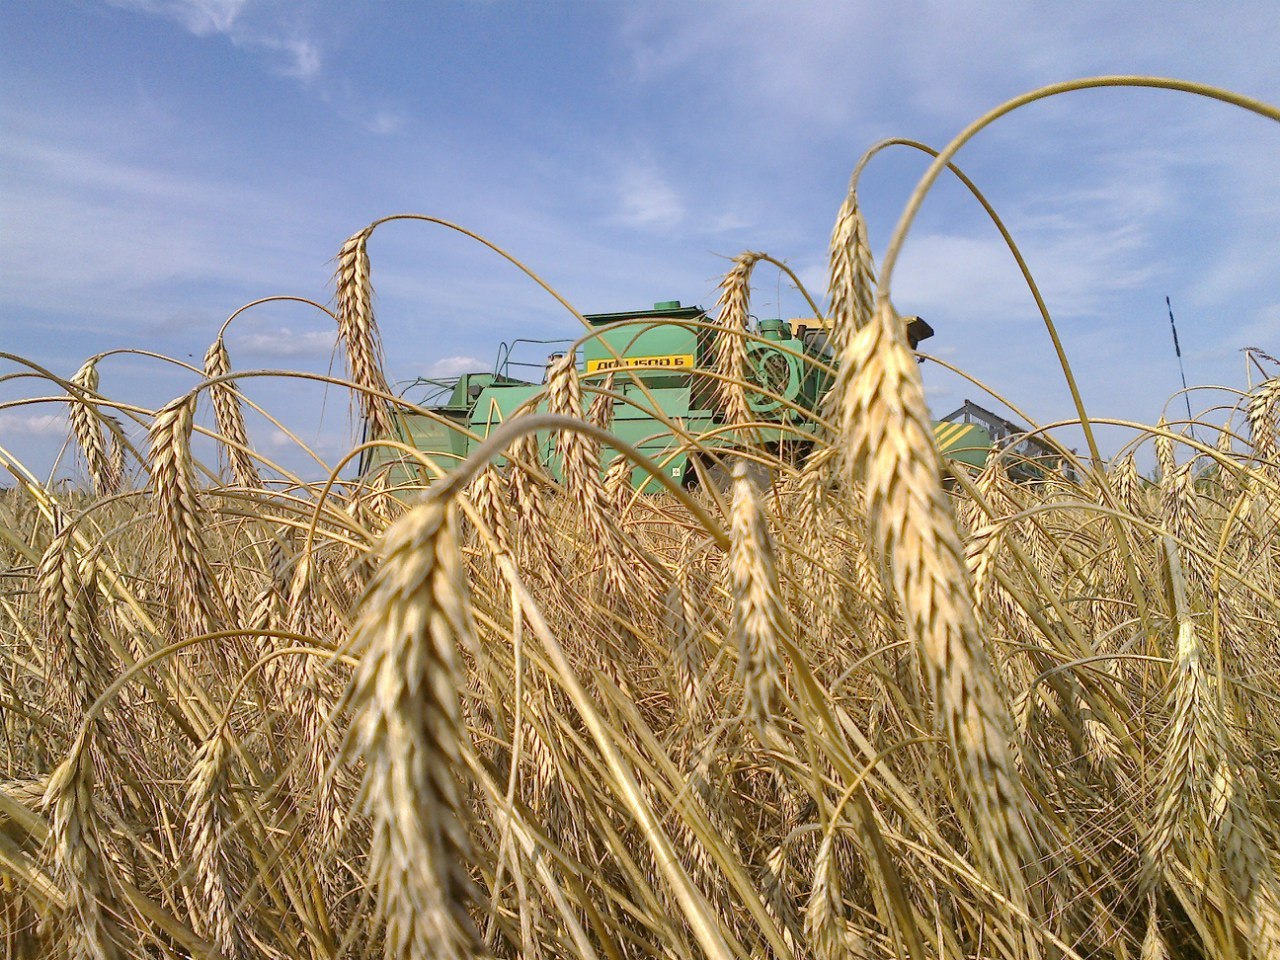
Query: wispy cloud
[(453, 366), (286, 344), (646, 199), (201, 17), (101, 236), (295, 53), (385, 121), (33, 424)]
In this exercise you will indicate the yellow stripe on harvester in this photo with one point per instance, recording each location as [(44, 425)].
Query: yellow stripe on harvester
[(945, 435), (674, 361)]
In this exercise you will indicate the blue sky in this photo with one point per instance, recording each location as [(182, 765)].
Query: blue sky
[(165, 161)]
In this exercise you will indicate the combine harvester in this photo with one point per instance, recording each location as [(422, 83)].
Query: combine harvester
[(658, 365)]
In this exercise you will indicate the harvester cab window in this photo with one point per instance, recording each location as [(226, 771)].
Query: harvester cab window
[(819, 343)]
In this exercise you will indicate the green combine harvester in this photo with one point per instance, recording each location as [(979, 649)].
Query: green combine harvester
[(656, 362)]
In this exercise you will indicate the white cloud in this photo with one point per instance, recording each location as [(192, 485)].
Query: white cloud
[(454, 366), (384, 122), (103, 237), (284, 343), (300, 54), (1082, 247), (646, 200), (33, 424), (201, 17), (303, 59)]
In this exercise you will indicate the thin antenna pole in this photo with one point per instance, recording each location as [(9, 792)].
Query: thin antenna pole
[(1177, 349)]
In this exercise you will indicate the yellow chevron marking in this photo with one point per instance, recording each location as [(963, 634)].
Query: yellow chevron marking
[(946, 434)]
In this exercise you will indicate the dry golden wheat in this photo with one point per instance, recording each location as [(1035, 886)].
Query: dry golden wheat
[(733, 308), (407, 729), (86, 424), (229, 416)]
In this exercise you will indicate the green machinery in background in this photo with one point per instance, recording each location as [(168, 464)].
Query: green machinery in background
[(657, 363)]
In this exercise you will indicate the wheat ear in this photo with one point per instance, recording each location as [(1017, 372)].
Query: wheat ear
[(824, 918), (359, 333), (731, 340), (1165, 458), (1261, 414), (1248, 863), (229, 415), (181, 514), (489, 495), (407, 728), (77, 852), (886, 425), (600, 411), (67, 587), (529, 506), (1128, 485), (617, 485), (86, 424), (760, 621), (852, 282), (1153, 946), (1194, 745), (209, 811), (118, 451), (580, 465), (852, 273)]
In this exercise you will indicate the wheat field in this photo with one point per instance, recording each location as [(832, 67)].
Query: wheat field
[(878, 707)]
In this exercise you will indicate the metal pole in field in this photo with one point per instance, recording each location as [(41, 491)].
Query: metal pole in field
[(1177, 349)]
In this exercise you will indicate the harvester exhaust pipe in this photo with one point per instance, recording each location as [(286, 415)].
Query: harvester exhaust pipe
[(917, 330)]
